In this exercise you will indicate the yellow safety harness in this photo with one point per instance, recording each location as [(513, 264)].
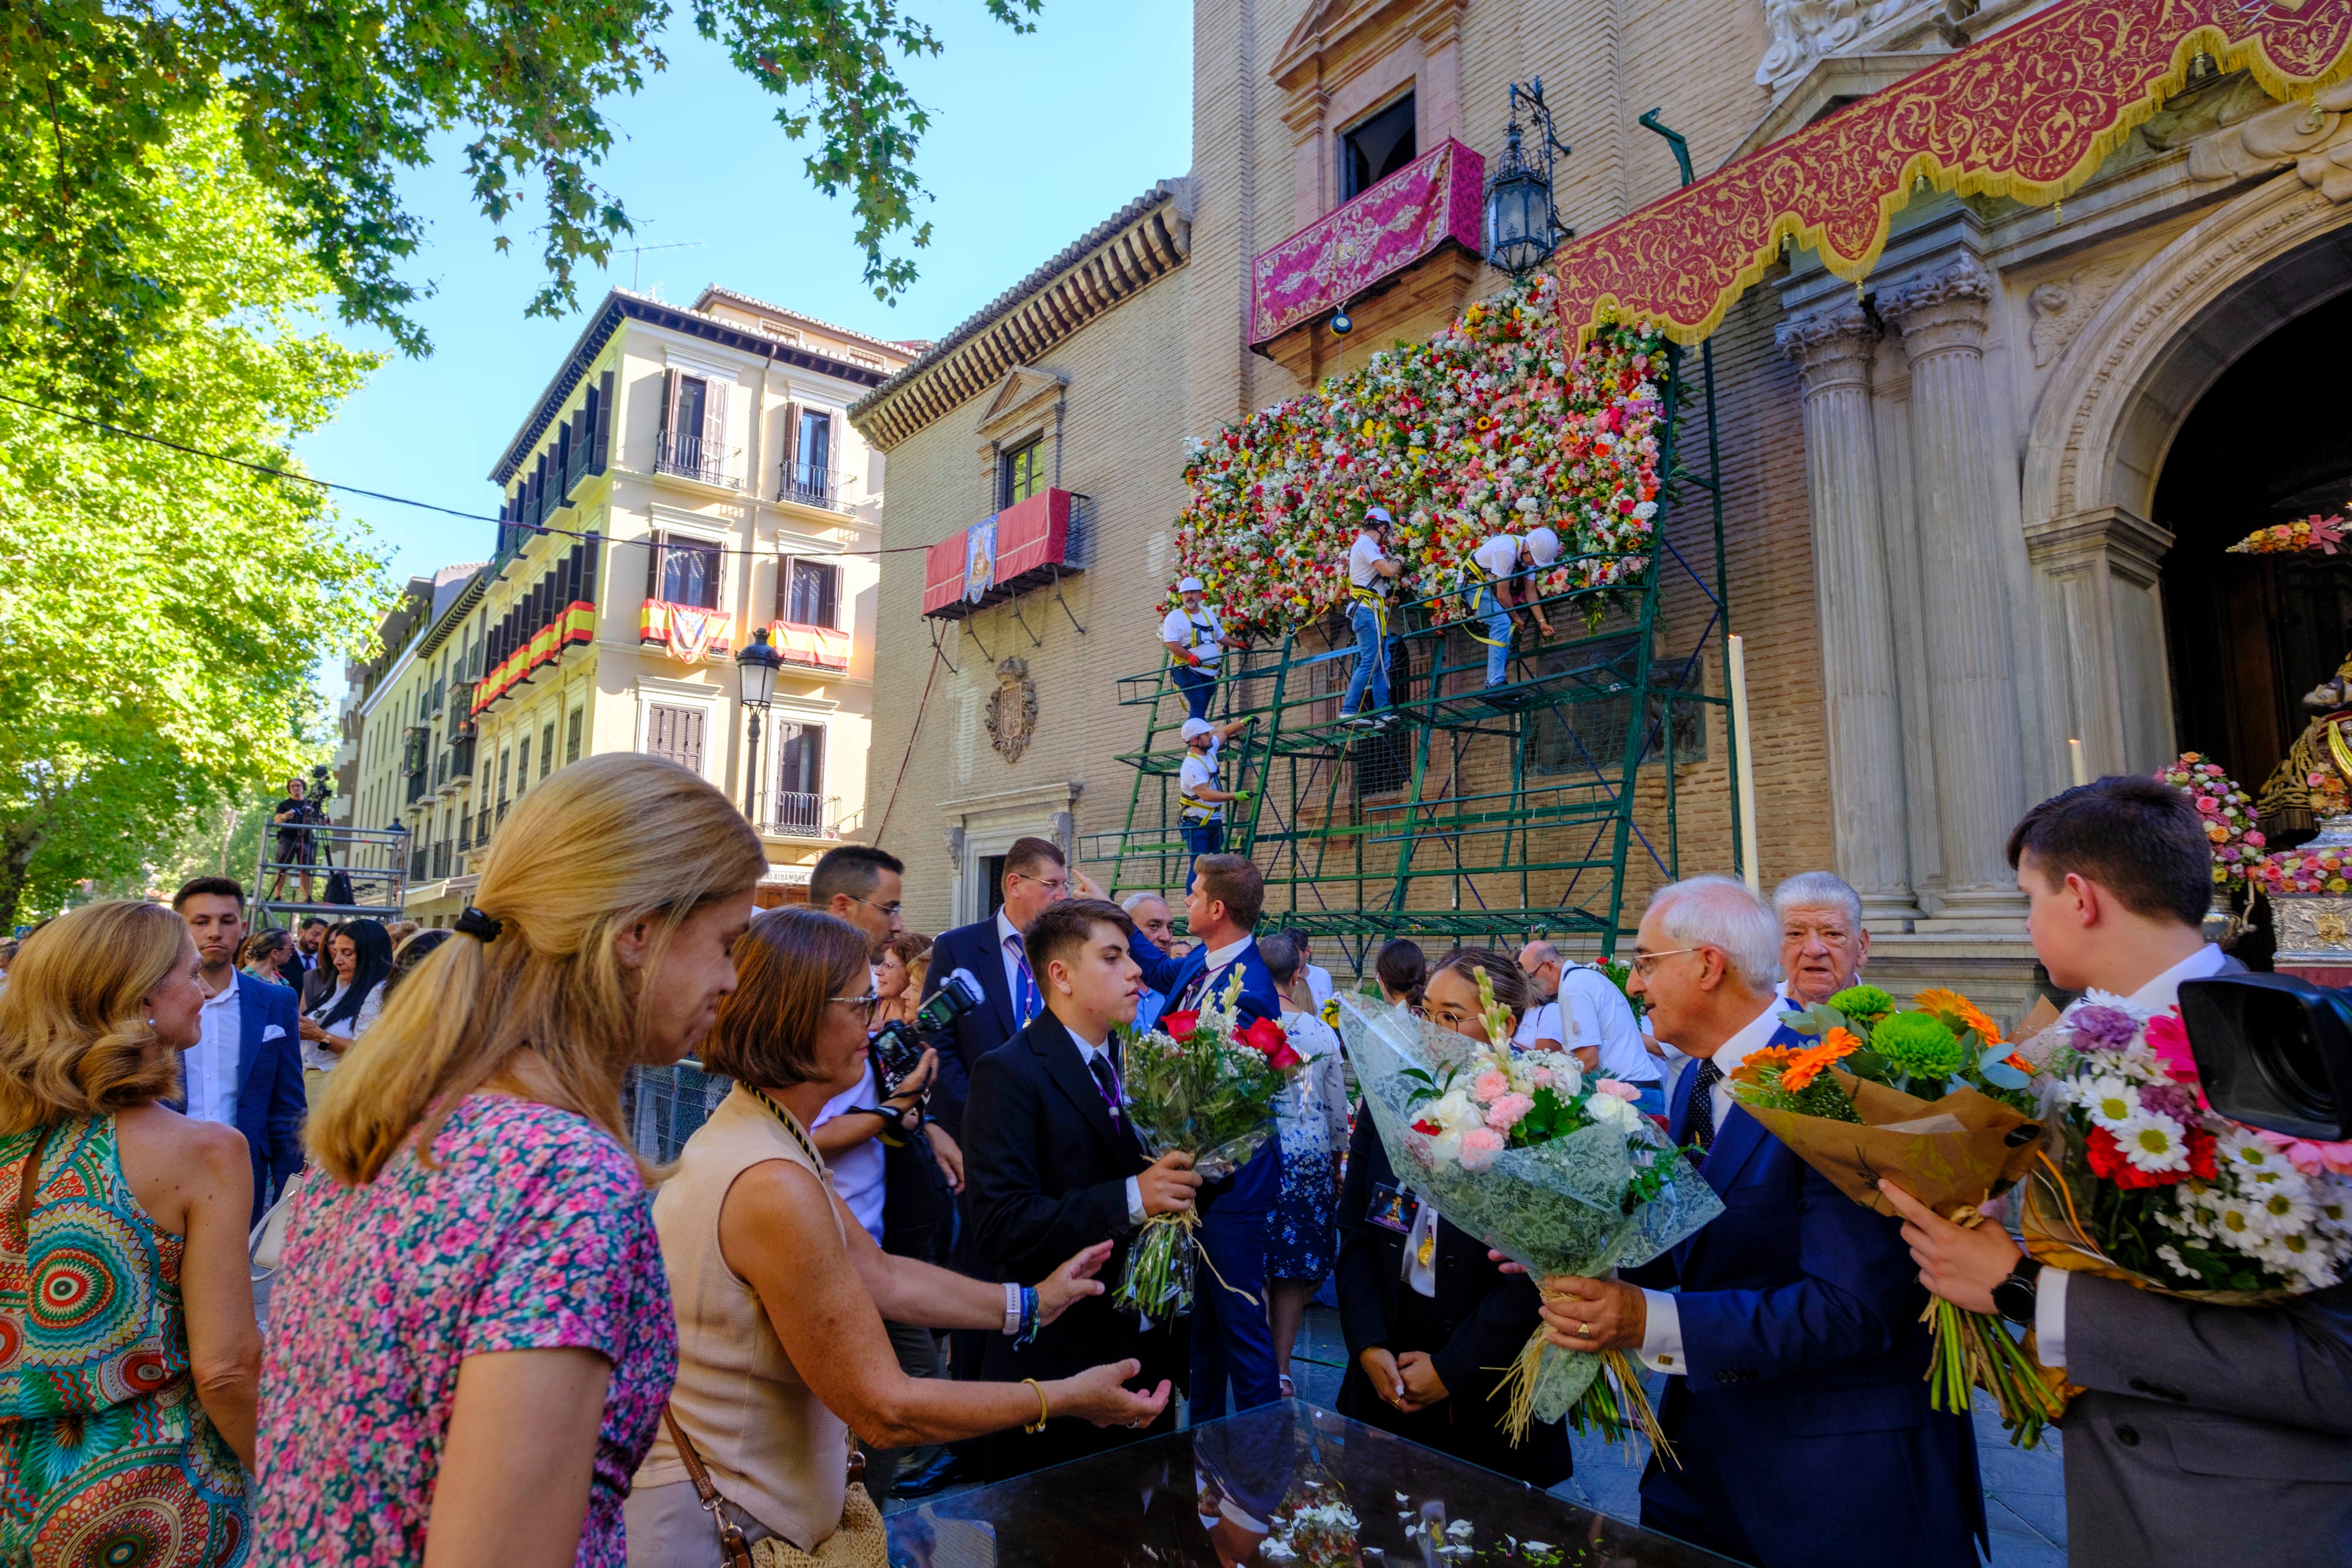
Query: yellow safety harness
[(1194, 628), (1195, 810), (1474, 622)]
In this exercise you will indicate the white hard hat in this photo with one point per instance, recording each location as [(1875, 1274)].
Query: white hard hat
[(1194, 728), (1543, 545), (1377, 514), (1191, 585)]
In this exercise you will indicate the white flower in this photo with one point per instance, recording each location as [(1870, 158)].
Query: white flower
[(2152, 1141), (1612, 1113), (2236, 1221), (2252, 1152), (2172, 1255), (2288, 1210), (2109, 1102)]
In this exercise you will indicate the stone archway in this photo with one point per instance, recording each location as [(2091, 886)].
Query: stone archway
[(2104, 424)]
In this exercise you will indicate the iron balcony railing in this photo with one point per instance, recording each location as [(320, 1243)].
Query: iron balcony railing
[(691, 457), (577, 468), (803, 816), (810, 485), (441, 860), (418, 858)]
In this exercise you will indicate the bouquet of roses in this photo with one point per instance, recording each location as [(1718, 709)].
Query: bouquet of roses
[(1200, 1084), (1933, 1098), (1555, 1171), (2144, 1183)]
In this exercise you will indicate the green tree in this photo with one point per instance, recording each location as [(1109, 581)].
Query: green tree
[(332, 101), (161, 614)]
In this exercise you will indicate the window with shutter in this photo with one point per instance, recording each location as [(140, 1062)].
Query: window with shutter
[(799, 760), (714, 465), (811, 593), (669, 418), (675, 733), (505, 764), (571, 727), (689, 573), (523, 766), (546, 748), (602, 421), (1021, 472)]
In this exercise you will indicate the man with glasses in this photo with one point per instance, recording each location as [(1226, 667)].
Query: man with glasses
[(993, 953), (1790, 1326)]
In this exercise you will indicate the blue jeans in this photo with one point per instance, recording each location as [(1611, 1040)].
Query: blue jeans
[(1233, 1343), (1372, 663), (1198, 686), (1202, 838), (1498, 628)]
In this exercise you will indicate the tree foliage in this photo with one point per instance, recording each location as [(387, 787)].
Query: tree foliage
[(161, 614), (330, 101)]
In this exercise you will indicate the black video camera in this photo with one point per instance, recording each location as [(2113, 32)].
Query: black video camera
[(898, 1045), (2274, 1051)]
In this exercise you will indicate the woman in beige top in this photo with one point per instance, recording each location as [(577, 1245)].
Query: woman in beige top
[(781, 1295)]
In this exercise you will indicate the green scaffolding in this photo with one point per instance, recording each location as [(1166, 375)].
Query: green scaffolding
[(1478, 814)]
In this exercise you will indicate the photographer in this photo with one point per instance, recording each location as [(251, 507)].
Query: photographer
[(2193, 1415), (293, 816)]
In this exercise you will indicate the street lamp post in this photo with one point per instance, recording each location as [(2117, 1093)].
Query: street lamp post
[(757, 663), (1523, 225)]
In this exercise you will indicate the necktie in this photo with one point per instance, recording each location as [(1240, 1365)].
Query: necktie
[(1025, 1001), (1702, 1102), (1106, 1080)]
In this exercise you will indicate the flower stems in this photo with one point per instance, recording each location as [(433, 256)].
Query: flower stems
[(1974, 1349)]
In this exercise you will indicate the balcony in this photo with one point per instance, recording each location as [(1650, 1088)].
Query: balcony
[(418, 859), (691, 457), (441, 860), (810, 647), (812, 486), (792, 815), (482, 828)]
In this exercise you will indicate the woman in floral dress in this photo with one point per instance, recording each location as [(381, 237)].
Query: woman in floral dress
[(1302, 1236), (129, 1358), (471, 1333)]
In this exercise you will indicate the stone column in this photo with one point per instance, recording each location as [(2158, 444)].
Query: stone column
[(1971, 670), (1832, 349)]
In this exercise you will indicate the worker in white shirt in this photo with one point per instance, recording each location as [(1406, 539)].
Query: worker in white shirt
[(1502, 559), (1197, 640), (1372, 572), (1203, 802)]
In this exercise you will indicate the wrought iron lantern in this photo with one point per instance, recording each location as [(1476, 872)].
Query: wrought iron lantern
[(757, 664), (1523, 227)]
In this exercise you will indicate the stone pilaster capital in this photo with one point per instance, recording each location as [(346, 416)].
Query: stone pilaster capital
[(1943, 310), (1832, 345)]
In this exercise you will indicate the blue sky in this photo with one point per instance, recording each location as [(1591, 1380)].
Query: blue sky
[(1034, 139)]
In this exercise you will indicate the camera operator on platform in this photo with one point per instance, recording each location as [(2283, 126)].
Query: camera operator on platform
[(2201, 1425)]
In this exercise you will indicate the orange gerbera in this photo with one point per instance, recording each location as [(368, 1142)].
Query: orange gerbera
[(1751, 1066), (1957, 1013), (1806, 1066)]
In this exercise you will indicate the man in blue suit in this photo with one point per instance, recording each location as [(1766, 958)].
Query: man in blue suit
[(1233, 1343), (246, 1068), (1796, 1402)]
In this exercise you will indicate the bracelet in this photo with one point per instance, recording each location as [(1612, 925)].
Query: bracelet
[(1012, 1308), (1042, 1411), (1028, 1316)]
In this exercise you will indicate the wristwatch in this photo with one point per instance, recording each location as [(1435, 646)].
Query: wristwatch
[(2013, 1298)]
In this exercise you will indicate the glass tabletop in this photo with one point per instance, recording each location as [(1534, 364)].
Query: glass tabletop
[(1290, 1483)]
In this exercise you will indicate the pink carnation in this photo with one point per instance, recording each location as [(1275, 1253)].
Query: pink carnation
[(1481, 1147), (1505, 1112), (1545, 1078), (2308, 1158), (1489, 1086), (1624, 1091), (2167, 1037)]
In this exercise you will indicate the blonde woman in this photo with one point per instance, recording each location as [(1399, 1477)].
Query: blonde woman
[(129, 1359), (470, 1338), (899, 976)]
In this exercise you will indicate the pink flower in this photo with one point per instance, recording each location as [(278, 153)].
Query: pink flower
[(1624, 1091), (2205, 804), (1481, 1147), (2167, 1037), (2308, 1158), (1505, 1112), (1489, 1086), (1545, 1078)]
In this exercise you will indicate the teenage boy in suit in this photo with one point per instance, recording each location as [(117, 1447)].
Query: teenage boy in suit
[(2194, 1417), (246, 1068), (1232, 1341), (994, 952), (1054, 1158), (1794, 1350)]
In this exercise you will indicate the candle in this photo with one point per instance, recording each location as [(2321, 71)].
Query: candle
[(1746, 781), (2081, 763)]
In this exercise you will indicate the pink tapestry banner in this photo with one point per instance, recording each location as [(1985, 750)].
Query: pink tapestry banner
[(1435, 198)]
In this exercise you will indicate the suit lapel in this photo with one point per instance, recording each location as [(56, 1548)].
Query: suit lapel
[(992, 977), (1678, 1108), (1069, 1071), (249, 1025), (1736, 1142)]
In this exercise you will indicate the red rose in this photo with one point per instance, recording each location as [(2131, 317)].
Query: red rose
[(1179, 1026), (1425, 1125)]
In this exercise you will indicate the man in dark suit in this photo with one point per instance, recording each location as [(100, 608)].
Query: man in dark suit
[(246, 1068), (994, 952), (2200, 1425), (1796, 1357), (1053, 1163), (1233, 1343)]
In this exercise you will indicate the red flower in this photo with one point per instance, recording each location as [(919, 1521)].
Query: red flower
[(1430, 1127), (2108, 1162), (1265, 1037), (1179, 1026), (2200, 1154)]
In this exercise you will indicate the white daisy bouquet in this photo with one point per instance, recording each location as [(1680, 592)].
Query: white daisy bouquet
[(2148, 1186), (1557, 1172)]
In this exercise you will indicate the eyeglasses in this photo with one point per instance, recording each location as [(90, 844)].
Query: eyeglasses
[(1645, 963), (1055, 886), (870, 1002), (890, 909)]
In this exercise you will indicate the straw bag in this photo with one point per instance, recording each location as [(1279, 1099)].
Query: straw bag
[(859, 1541)]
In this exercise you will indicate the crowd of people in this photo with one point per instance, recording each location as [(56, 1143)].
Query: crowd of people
[(497, 1336)]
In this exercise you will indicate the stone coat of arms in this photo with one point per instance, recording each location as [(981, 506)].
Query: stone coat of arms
[(1013, 710)]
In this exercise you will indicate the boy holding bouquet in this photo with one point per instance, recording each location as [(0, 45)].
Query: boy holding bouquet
[(2195, 1414)]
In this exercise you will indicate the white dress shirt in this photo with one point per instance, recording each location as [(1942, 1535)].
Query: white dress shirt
[(1212, 976), (317, 1058), (858, 1170), (210, 1065), (1662, 1340), (1318, 984), (2160, 995), (1088, 1050)]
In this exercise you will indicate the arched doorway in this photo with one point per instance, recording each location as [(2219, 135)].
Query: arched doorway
[(2248, 635)]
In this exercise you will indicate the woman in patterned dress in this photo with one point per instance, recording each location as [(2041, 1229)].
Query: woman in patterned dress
[(129, 1358), (472, 1332), (1302, 1236)]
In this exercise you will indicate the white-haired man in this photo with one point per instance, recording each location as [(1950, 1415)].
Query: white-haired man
[(1588, 1017), (1503, 558), (1793, 1343), (1197, 640), (1154, 919), (1371, 578), (1823, 944)]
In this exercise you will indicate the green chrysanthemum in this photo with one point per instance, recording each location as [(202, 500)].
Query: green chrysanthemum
[(1865, 1005), (1918, 1044)]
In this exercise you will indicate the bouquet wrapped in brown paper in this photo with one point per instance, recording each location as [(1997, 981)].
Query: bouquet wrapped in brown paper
[(1932, 1098)]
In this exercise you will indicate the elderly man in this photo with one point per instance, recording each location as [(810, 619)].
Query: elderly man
[(1154, 919), (1793, 1347), (1588, 1017), (1822, 942)]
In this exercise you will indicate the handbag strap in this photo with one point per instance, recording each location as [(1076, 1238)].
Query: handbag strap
[(733, 1550)]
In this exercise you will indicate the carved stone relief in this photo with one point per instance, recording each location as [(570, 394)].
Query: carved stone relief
[(2060, 309), (1013, 710), (2314, 136), (1801, 31)]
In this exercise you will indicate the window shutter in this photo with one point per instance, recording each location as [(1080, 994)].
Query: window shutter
[(823, 460), (829, 608), (792, 435), (783, 589), (571, 734), (714, 428), (654, 564), (690, 741), (668, 408), (601, 455)]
